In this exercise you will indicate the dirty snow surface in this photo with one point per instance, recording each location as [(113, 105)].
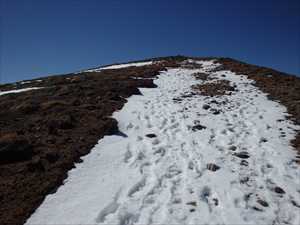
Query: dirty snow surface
[(176, 162), (18, 90), (120, 66)]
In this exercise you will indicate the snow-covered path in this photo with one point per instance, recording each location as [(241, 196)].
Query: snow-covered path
[(179, 163)]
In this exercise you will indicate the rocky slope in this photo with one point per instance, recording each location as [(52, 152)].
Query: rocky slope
[(45, 131)]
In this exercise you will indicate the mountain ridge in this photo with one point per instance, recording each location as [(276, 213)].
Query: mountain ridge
[(44, 126)]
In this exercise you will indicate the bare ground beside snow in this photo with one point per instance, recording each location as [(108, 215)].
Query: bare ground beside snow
[(181, 154)]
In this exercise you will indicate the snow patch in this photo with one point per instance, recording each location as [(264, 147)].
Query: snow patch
[(19, 90), (120, 66)]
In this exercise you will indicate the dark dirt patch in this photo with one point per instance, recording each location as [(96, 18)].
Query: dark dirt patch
[(190, 65), (44, 132), (202, 76), (280, 86), (15, 150), (217, 88)]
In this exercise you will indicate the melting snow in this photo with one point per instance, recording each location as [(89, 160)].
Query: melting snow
[(25, 82), (19, 90), (164, 177), (119, 66)]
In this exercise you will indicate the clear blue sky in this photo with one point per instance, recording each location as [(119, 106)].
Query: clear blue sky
[(41, 37)]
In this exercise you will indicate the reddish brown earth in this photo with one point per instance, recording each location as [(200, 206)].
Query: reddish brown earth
[(44, 132)]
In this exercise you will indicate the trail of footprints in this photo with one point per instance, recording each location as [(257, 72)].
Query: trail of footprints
[(179, 156)]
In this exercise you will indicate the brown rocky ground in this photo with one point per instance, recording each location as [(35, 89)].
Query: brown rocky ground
[(44, 132), (219, 87)]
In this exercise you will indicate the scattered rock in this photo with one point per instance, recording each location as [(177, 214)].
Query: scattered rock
[(198, 127), (263, 203), (242, 155), (151, 135), (111, 127), (193, 203), (177, 99), (214, 102), (257, 209), (279, 190), (206, 107), (216, 201), (212, 167)]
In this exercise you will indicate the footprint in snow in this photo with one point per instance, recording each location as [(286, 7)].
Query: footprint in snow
[(155, 142), (129, 126), (212, 167), (263, 140), (127, 156), (232, 148), (139, 138), (111, 208)]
